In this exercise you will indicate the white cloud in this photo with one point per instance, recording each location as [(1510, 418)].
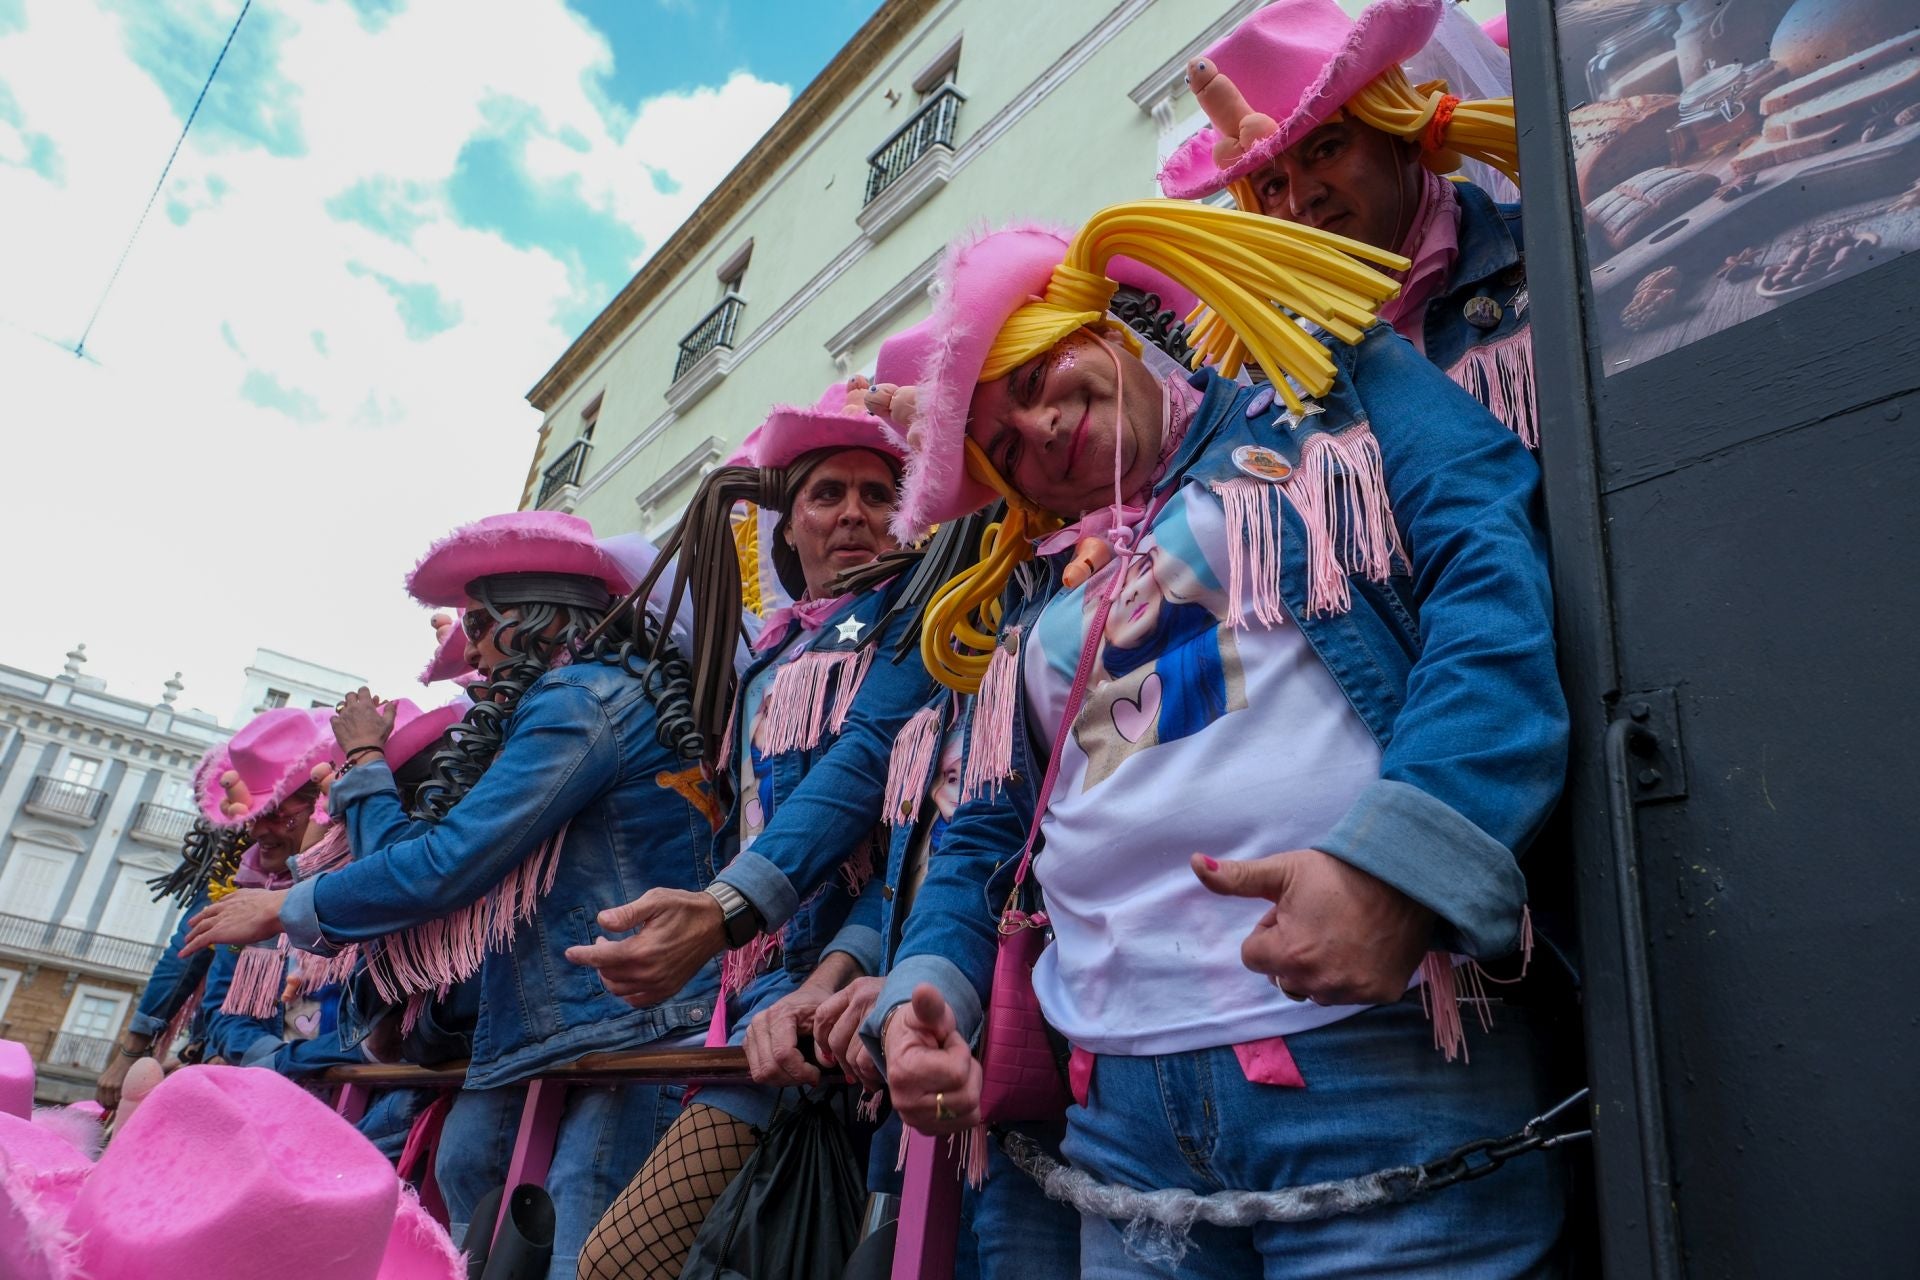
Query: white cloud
[(153, 510)]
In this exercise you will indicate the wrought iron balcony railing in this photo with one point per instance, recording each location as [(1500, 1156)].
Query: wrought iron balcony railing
[(160, 824), (716, 329), (52, 797), (565, 470), (71, 1049), (929, 127), (42, 939)]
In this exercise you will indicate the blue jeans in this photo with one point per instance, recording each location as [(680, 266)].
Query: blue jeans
[(605, 1135), (389, 1118), (1378, 1094), (1010, 1229)]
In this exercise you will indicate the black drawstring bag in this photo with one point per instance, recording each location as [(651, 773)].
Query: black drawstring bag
[(793, 1211)]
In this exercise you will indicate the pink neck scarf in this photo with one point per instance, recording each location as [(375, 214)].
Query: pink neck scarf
[(810, 614), (1433, 243)]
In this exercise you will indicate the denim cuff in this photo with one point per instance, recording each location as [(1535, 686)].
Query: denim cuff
[(300, 923), (764, 885), (1401, 835), (145, 1024), (260, 1052), (358, 783), (910, 973), (860, 942)]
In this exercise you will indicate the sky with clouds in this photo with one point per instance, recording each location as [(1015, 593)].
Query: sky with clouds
[(389, 218)]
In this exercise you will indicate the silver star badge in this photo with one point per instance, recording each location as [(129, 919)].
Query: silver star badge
[(850, 630), (1293, 420)]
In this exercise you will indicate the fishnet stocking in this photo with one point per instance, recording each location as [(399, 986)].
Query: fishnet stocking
[(650, 1228)]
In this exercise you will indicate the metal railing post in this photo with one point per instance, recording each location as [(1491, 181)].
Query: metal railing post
[(533, 1146)]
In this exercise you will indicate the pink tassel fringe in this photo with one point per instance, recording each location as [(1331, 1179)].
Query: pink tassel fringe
[(315, 972), (907, 767), (869, 1105), (178, 1026), (1500, 376), (1340, 493), (259, 978), (973, 1154), (797, 707), (328, 853), (436, 955), (990, 739), (741, 965)]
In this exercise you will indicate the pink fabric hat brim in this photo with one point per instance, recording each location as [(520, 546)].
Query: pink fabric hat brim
[(414, 733), (985, 279), (1298, 61), (516, 542), (1496, 29), (274, 753), (793, 431), (286, 1166), (450, 659)]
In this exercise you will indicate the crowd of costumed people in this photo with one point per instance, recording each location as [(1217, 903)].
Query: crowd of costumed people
[(1108, 748)]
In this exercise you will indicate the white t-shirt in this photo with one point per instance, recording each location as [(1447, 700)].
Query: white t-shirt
[(1194, 737)]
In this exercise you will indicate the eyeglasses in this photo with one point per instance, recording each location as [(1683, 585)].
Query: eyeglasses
[(476, 623)]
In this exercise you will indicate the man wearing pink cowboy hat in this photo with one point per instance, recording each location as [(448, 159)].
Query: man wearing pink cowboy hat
[(296, 1192), (806, 752), (572, 787), (1314, 121)]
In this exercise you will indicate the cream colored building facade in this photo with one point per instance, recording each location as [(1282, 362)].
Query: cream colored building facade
[(939, 116)]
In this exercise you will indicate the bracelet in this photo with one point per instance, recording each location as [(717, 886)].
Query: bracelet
[(129, 1053), (886, 1022), (380, 747)]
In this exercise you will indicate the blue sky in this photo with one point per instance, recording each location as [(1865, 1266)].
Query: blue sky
[(390, 217)]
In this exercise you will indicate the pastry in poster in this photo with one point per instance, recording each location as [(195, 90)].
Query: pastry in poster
[(1780, 166)]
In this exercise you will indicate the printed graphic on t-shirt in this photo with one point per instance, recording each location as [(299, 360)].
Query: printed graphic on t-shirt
[(1167, 667), (756, 801)]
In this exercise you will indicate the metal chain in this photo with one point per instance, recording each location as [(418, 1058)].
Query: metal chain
[(1176, 1209)]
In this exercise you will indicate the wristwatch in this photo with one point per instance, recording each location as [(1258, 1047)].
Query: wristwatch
[(740, 920)]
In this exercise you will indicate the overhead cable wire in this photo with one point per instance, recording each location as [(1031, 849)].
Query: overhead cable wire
[(80, 347)]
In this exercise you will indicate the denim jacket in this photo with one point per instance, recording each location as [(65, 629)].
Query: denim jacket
[(260, 1042), (1450, 665), (827, 800), (1491, 264), (173, 980), (579, 752)]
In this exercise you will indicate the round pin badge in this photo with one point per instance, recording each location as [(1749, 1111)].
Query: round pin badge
[(1261, 463), (1483, 312)]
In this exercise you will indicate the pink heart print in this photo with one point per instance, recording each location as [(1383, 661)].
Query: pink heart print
[(307, 1024), (1134, 719)]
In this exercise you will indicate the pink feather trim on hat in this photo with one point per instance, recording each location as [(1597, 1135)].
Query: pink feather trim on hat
[(984, 278), (273, 756), (449, 661), (1296, 62), (838, 420), (515, 542)]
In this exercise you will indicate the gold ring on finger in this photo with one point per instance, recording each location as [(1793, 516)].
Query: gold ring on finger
[(940, 1111)]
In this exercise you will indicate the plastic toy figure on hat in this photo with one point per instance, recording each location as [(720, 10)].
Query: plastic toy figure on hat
[(571, 784), (1314, 121)]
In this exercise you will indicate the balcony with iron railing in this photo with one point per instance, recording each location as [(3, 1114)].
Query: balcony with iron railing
[(51, 797), (714, 332), (564, 472), (85, 1053), (43, 941), (159, 824), (913, 163)]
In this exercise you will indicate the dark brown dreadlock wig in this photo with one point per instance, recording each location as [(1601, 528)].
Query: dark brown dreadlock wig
[(208, 855), (553, 615)]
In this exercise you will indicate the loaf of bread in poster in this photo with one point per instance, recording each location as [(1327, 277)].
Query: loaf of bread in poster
[(1615, 139), (1887, 89), (1838, 75), (1647, 201)]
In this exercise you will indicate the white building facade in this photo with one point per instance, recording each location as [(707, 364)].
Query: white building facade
[(95, 795), (938, 116)]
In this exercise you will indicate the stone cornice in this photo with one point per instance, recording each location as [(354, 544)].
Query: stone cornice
[(895, 20)]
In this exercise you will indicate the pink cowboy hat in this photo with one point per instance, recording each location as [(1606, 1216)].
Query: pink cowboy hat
[(1296, 62), (1496, 29), (838, 420), (270, 759), (986, 279), (450, 658), (287, 1168), (517, 542), (415, 730)]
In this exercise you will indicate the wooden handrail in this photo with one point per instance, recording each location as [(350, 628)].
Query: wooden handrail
[(634, 1066)]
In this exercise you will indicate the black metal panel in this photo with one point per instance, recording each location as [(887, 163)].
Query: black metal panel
[(1735, 521)]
